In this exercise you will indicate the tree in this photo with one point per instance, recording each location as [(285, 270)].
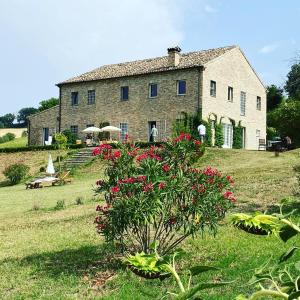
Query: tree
[(7, 120), (286, 119), (24, 113), (292, 85), (45, 104), (274, 97)]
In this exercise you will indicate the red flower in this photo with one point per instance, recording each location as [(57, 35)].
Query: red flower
[(117, 154), (148, 187), (141, 178), (96, 151), (166, 168), (229, 196), (172, 220), (115, 189), (197, 143), (161, 185), (230, 179), (98, 208)]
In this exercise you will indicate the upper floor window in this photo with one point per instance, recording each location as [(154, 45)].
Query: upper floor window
[(91, 96), (258, 103), (152, 90), (74, 98), (243, 104), (213, 88), (74, 129), (230, 94), (181, 87), (124, 93), (124, 131)]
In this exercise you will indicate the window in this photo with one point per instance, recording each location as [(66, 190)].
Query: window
[(230, 94), (228, 135), (124, 93), (258, 103), (257, 133), (181, 87), (243, 103), (213, 88), (90, 125), (152, 90), (91, 97), (74, 129), (74, 98), (124, 130)]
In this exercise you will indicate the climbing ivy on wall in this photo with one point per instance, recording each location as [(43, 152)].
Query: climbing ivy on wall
[(219, 137), (237, 142)]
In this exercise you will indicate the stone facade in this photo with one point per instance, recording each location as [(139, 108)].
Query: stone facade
[(229, 69), (37, 122)]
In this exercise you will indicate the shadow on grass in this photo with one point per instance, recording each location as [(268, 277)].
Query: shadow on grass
[(73, 262), (5, 183)]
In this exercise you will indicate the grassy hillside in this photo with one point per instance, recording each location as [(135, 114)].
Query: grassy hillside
[(56, 254), (18, 142)]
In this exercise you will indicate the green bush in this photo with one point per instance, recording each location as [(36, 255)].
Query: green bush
[(219, 138), (60, 204), (15, 173), (10, 136), (79, 200), (71, 137), (237, 142)]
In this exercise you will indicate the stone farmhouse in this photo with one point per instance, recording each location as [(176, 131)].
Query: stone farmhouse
[(220, 83)]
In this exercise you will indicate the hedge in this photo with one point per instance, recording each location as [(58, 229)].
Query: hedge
[(36, 148)]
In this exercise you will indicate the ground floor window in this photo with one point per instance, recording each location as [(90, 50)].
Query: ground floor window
[(227, 134), (74, 129), (45, 135), (124, 131)]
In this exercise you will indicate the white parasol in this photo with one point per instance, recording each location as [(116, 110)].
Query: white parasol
[(110, 129), (50, 168), (91, 129)]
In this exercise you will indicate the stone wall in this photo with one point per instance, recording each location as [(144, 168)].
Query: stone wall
[(138, 110), (232, 69), (45, 119)]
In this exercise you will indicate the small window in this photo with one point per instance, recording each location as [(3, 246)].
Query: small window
[(181, 87), (257, 133), (74, 129), (90, 125), (74, 98), (124, 93), (152, 90), (91, 96), (124, 131), (230, 94), (213, 88), (243, 104), (258, 103)]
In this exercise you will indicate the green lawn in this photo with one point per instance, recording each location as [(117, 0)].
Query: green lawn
[(56, 254), (18, 142)]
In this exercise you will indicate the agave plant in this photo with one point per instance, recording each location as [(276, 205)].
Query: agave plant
[(264, 224)]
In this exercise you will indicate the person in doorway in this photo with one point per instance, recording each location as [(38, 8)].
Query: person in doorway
[(202, 132), (154, 133)]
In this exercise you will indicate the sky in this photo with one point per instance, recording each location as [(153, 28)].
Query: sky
[(43, 42)]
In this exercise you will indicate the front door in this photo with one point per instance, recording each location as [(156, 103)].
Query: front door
[(150, 126), (45, 135), (227, 134)]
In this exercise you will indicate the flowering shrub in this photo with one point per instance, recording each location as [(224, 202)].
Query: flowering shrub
[(156, 195)]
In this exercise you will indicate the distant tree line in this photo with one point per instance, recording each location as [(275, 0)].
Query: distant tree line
[(283, 107), (8, 120)]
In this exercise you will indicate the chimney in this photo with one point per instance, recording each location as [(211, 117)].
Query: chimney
[(174, 56)]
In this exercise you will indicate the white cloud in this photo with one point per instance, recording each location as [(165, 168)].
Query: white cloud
[(209, 9), (268, 48)]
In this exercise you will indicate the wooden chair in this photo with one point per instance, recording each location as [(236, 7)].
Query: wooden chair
[(63, 178)]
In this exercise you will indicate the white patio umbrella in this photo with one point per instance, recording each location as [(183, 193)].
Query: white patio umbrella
[(50, 168), (91, 129), (110, 129)]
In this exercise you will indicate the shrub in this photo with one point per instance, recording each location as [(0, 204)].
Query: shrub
[(156, 195), (15, 173), (60, 204), (42, 169), (219, 138), (71, 137), (7, 137), (36, 148), (10, 136), (79, 201)]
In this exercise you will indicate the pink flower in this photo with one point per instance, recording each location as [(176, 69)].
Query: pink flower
[(161, 185), (96, 151), (117, 154), (166, 168), (229, 195), (115, 189), (197, 143), (230, 179), (148, 187)]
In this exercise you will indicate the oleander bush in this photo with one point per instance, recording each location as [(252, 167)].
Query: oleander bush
[(16, 172), (155, 195)]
